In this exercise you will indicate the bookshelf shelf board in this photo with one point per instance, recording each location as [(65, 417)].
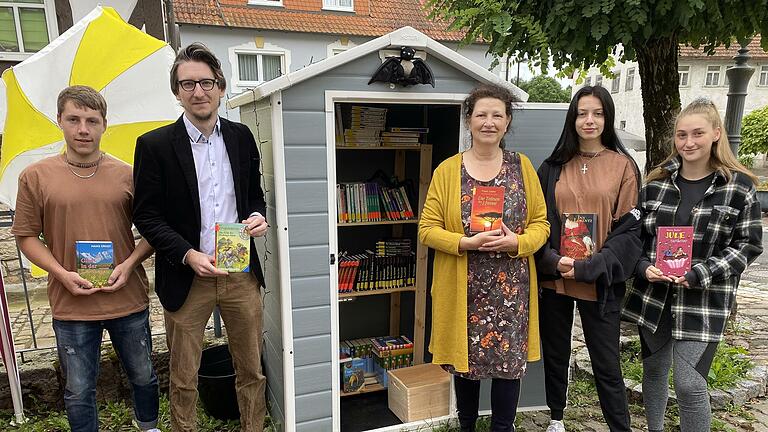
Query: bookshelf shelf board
[(392, 147), (375, 292), (387, 222), (369, 388)]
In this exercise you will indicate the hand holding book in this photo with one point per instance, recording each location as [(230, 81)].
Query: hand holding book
[(256, 225), (118, 278), (506, 242), (653, 274)]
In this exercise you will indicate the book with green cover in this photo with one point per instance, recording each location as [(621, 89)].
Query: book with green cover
[(233, 247), (95, 261)]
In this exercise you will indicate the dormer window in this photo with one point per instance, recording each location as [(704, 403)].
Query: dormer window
[(339, 5)]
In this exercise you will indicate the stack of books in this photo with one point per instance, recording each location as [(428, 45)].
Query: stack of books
[(365, 127), (391, 352), (402, 136)]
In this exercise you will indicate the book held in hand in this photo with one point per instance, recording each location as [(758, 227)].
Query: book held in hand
[(577, 235), (95, 261), (233, 247), (674, 247), (487, 208)]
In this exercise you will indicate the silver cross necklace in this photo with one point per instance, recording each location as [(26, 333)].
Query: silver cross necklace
[(584, 163)]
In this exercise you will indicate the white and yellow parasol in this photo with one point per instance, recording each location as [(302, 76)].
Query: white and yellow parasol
[(129, 67)]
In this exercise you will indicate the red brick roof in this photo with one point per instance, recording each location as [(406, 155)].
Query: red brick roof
[(721, 52), (371, 18)]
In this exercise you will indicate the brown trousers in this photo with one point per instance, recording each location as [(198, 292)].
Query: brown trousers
[(239, 299)]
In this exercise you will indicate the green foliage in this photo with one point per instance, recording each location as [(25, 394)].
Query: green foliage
[(543, 88), (731, 364), (748, 160), (118, 416), (578, 34), (754, 133), (631, 361), (575, 35), (582, 391)]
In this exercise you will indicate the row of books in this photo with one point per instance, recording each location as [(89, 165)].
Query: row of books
[(371, 202), (393, 265), (375, 137)]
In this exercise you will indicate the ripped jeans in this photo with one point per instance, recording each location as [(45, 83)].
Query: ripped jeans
[(79, 348)]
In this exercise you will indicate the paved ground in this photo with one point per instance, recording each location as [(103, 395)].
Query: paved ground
[(583, 414), (751, 332)]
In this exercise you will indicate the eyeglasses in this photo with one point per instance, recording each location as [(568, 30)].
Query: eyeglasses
[(205, 84)]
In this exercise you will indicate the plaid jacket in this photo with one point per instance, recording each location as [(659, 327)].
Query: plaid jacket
[(727, 238)]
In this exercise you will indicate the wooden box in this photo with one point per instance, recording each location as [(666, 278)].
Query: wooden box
[(419, 392)]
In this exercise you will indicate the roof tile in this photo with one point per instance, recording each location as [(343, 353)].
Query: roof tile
[(721, 52), (371, 18)]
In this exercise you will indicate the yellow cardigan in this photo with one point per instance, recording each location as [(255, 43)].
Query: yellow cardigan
[(440, 228)]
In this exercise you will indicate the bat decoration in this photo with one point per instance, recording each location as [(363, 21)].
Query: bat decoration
[(407, 69)]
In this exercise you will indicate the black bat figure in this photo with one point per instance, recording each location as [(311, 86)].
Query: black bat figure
[(404, 70)]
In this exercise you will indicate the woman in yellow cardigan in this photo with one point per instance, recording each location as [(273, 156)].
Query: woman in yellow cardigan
[(484, 293)]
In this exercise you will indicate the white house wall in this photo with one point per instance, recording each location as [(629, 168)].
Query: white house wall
[(304, 48), (629, 104)]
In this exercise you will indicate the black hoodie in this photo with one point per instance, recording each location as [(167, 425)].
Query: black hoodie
[(609, 267)]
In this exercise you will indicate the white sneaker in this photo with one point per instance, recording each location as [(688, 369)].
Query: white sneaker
[(153, 430), (556, 426)]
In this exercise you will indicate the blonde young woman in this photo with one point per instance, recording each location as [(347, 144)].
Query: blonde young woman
[(682, 319)]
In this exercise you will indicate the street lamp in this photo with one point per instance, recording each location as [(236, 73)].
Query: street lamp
[(738, 77)]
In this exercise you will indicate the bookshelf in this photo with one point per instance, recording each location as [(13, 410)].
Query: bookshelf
[(411, 162)]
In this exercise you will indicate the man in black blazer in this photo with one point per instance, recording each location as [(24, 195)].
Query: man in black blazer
[(188, 176)]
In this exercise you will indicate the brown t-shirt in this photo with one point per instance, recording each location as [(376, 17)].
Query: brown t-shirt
[(608, 189), (66, 209)]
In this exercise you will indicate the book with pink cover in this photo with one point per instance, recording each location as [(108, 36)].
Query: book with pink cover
[(487, 208), (674, 249)]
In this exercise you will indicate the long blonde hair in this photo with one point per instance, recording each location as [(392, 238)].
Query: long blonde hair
[(721, 157)]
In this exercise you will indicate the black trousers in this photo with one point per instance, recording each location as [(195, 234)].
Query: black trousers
[(601, 334), (504, 397)]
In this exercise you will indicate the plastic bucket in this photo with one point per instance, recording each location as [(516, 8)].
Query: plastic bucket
[(216, 383)]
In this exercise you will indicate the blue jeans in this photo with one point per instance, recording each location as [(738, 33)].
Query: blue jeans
[(79, 347)]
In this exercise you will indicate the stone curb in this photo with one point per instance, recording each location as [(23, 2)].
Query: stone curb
[(754, 385)]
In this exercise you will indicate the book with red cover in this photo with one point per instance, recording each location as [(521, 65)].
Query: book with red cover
[(487, 208), (674, 248), (577, 235)]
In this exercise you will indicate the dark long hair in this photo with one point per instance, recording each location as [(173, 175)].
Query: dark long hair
[(568, 145)]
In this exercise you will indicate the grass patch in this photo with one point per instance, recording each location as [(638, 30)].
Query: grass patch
[(731, 364), (118, 417)]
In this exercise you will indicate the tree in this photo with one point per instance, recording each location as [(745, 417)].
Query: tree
[(543, 88), (578, 34), (754, 132)]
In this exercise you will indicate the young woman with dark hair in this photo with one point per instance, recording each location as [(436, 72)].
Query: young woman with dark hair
[(484, 293), (589, 181), (682, 318)]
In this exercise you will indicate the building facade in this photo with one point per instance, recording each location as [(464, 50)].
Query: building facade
[(260, 40), (699, 75)]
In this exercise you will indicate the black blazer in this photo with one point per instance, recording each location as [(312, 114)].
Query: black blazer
[(166, 206)]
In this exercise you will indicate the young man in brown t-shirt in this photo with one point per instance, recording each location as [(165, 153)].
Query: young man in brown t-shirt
[(86, 195)]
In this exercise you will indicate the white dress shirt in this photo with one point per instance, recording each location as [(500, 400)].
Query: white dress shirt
[(215, 184)]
